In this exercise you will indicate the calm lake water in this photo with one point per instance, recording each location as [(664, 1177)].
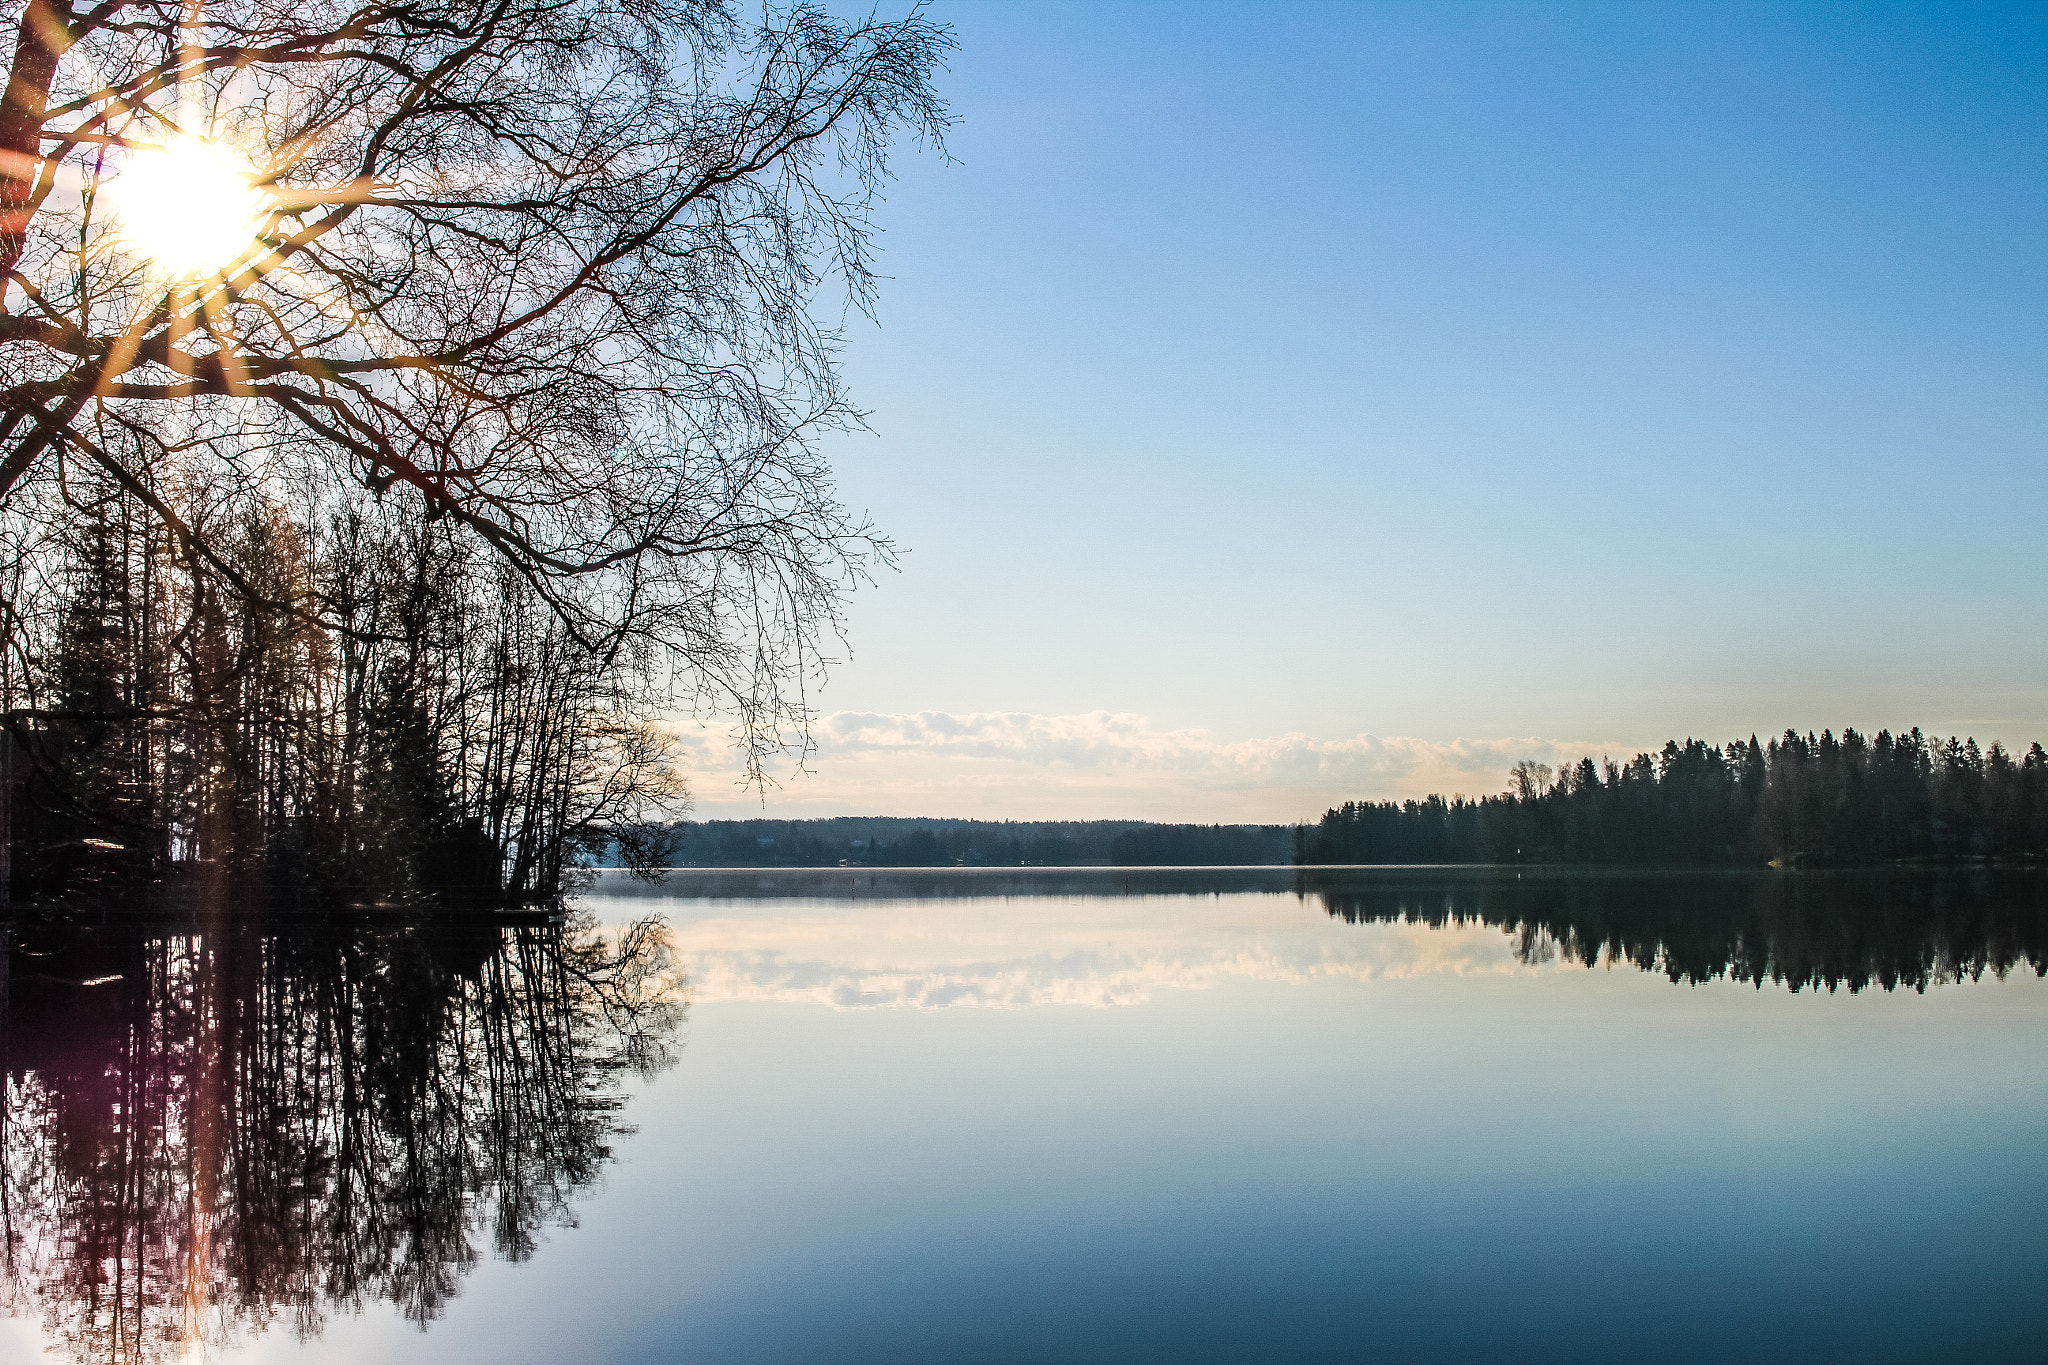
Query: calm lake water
[(1259, 1114)]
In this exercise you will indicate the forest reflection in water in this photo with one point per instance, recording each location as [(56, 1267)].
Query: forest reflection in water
[(219, 1125), (1907, 929), (1109, 935)]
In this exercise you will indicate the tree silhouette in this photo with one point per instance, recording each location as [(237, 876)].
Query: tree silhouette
[(540, 277), (452, 738), (548, 266), (1800, 799)]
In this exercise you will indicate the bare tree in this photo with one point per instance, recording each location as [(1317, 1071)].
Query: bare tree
[(547, 269), (1529, 779)]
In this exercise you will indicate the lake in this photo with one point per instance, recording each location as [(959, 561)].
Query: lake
[(1270, 1114)]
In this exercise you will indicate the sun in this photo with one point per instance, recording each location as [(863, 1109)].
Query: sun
[(187, 204)]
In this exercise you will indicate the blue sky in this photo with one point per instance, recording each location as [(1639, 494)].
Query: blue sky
[(1504, 375)]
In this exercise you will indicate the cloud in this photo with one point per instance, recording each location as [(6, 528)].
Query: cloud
[(1098, 764)]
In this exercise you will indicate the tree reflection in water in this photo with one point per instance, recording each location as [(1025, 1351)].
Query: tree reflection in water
[(1835, 930), (214, 1129)]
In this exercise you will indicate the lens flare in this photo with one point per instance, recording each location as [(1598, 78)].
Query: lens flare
[(186, 204)]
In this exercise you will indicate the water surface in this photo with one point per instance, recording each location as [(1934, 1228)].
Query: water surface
[(1411, 1114)]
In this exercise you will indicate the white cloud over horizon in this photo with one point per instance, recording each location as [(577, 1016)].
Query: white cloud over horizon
[(1094, 765)]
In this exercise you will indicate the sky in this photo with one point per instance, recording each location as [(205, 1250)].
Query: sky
[(1280, 404)]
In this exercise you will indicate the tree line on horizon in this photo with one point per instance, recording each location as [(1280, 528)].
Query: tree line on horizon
[(1818, 800), (901, 841), (1825, 800)]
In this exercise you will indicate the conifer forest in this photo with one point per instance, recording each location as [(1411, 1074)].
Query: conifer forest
[(1798, 800)]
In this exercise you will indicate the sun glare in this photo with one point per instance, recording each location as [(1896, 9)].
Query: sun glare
[(187, 204)]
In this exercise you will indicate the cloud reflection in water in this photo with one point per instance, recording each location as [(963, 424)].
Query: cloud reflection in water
[(860, 939)]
